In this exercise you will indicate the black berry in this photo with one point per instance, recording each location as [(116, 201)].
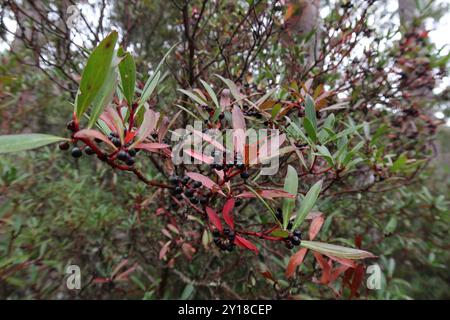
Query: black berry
[(297, 233), (88, 150), (289, 244), (130, 161), (194, 200), (185, 180), (71, 125), (64, 145), (196, 184), (289, 226), (132, 152), (122, 155), (76, 152), (245, 175), (295, 240), (231, 235), (116, 142), (226, 231), (240, 166), (216, 233), (189, 193), (203, 200), (178, 190), (174, 179)]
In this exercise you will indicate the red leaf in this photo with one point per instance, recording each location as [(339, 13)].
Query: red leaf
[(238, 130), (238, 118), (326, 273), (188, 250), (147, 126), (346, 262), (164, 250), (296, 260), (199, 156), (336, 272), (130, 136), (242, 242), (209, 139), (206, 182), (214, 218), (91, 133), (267, 194), (315, 227), (152, 146), (124, 275), (357, 280), (226, 212)]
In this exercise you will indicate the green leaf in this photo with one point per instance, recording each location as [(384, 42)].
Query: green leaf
[(280, 233), (310, 111), (336, 251), (291, 186), (95, 73), (308, 203), (104, 97), (324, 152), (399, 163), (390, 226), (193, 96), (310, 130), (20, 142), (149, 87), (275, 111), (233, 88), (211, 93), (127, 68), (187, 292), (263, 201)]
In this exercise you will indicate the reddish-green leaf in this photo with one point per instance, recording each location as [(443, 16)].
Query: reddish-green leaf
[(226, 212), (214, 218), (295, 261), (244, 243)]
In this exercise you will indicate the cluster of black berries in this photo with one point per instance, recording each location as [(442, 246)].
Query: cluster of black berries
[(76, 152), (295, 237), (190, 189), (237, 163), (252, 113), (225, 241)]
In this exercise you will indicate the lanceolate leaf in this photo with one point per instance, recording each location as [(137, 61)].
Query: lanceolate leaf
[(200, 156), (336, 250), (307, 203), (310, 111), (95, 73), (206, 182), (104, 97), (193, 96), (242, 242), (91, 134), (147, 126), (226, 212), (20, 142), (295, 261), (267, 194), (233, 88), (290, 186), (127, 69), (149, 87), (214, 218)]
